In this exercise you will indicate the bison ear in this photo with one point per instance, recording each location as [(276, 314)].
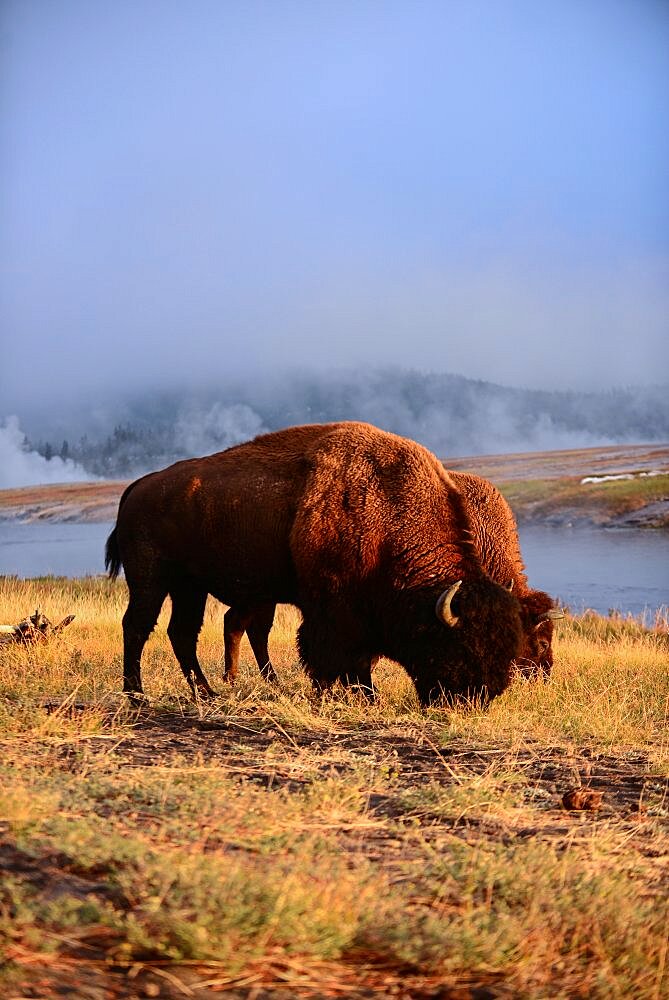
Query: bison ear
[(443, 606)]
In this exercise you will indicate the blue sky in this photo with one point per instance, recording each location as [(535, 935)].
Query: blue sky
[(193, 190)]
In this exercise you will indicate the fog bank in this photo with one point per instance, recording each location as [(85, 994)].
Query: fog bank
[(450, 414), (20, 466)]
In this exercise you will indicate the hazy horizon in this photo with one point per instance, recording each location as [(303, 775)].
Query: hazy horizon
[(118, 437)]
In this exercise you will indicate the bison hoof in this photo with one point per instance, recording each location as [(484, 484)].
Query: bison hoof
[(364, 691)]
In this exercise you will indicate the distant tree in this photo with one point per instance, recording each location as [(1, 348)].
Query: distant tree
[(64, 450), (48, 451)]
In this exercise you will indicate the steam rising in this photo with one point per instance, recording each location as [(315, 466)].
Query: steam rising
[(199, 432), (22, 467)]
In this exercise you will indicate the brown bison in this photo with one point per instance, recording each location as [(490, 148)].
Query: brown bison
[(495, 536), (364, 531)]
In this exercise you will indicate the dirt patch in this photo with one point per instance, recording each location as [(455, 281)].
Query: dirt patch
[(626, 781)]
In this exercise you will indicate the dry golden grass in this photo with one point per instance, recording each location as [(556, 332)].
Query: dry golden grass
[(271, 840)]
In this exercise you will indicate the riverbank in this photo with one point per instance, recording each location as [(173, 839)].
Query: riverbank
[(619, 486), (76, 503), (615, 487)]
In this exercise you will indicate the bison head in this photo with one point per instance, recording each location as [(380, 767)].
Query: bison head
[(467, 648)]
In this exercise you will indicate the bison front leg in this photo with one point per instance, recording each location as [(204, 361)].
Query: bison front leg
[(327, 657), (430, 692), (184, 627), (358, 675)]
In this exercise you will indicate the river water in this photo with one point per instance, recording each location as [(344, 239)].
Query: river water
[(615, 569)]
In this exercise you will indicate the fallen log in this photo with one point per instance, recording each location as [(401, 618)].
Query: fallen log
[(36, 628)]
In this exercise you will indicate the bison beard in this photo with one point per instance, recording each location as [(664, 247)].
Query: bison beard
[(361, 529)]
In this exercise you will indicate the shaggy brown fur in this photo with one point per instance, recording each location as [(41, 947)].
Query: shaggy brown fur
[(496, 541), (361, 529)]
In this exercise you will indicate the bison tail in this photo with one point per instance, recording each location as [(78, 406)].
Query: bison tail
[(112, 556)]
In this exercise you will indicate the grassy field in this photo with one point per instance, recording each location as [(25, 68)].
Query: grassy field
[(272, 844)]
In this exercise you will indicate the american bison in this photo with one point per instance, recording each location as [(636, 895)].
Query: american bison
[(364, 531), (495, 537)]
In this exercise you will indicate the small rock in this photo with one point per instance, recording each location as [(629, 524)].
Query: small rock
[(582, 798)]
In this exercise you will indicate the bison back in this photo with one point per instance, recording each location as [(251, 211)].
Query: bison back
[(223, 521)]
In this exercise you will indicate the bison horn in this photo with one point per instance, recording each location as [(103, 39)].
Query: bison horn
[(443, 608), (510, 587), (553, 615)]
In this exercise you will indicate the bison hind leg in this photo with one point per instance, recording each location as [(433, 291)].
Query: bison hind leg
[(258, 630), (257, 623), (139, 621)]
